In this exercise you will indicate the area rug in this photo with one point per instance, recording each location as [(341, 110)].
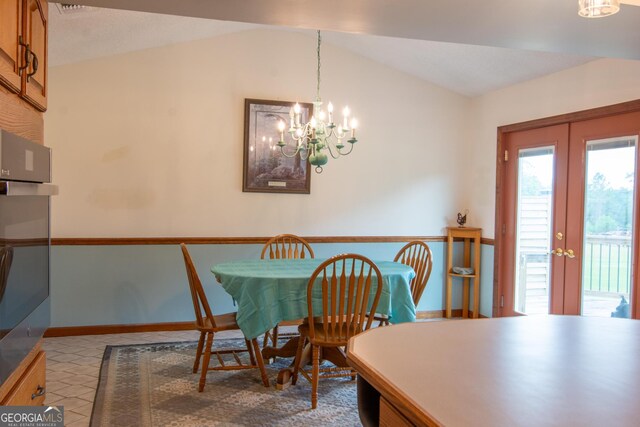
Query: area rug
[(153, 385)]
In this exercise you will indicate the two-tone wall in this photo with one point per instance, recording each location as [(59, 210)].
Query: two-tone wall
[(149, 144), (139, 284)]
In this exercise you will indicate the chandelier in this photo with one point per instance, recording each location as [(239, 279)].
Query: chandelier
[(321, 137), (598, 8)]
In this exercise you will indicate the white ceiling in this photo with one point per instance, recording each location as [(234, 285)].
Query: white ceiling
[(467, 69), (544, 25)]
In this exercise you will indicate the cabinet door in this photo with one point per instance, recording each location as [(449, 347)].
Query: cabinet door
[(31, 388), (11, 26), (34, 80)]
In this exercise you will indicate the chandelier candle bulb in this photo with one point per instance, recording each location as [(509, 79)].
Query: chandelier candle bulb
[(281, 127), (314, 125), (296, 110), (330, 110), (354, 125)]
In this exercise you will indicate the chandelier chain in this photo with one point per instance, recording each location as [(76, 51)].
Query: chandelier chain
[(318, 85)]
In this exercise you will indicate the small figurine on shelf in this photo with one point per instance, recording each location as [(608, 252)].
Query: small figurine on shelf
[(462, 219)]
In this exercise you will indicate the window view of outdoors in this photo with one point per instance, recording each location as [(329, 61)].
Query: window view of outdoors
[(534, 219), (608, 222)]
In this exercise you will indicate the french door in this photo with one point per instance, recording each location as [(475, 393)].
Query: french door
[(569, 215)]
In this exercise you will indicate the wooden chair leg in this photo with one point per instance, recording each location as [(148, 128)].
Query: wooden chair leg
[(196, 364), (260, 360), (205, 362), (274, 337), (315, 374), (265, 340), (298, 360), (250, 351)]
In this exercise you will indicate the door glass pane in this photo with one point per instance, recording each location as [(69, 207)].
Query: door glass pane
[(533, 235), (608, 227)]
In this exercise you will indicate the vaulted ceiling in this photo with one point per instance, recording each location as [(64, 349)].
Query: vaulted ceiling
[(460, 45)]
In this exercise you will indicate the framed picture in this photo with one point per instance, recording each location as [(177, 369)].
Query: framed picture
[(266, 168)]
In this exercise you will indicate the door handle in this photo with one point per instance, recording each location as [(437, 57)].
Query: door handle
[(27, 56), (561, 252), (34, 64), (40, 391)]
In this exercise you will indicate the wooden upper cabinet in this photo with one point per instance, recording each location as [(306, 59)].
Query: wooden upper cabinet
[(34, 77), (23, 49), (10, 31)]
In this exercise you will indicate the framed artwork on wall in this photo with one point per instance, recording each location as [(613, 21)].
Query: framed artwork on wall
[(266, 169)]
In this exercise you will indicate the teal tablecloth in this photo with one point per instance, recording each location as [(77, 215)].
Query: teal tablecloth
[(270, 291)]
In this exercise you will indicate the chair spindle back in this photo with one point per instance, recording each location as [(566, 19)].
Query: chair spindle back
[(346, 282), (287, 246), (417, 255)]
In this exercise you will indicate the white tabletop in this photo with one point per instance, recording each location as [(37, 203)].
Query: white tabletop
[(520, 371)]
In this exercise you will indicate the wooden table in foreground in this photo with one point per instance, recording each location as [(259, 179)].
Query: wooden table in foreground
[(518, 371)]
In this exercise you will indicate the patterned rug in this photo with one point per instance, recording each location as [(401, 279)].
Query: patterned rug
[(153, 385)]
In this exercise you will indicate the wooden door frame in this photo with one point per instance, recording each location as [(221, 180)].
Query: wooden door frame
[(593, 113), (556, 136)]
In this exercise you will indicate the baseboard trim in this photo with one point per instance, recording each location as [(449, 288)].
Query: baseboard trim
[(72, 331), (438, 314), (434, 314)]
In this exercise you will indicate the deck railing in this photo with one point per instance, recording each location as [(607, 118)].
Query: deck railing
[(607, 264)]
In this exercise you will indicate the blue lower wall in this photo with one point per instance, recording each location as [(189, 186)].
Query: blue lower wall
[(105, 285)]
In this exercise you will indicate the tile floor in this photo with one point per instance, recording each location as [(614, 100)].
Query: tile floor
[(73, 366)]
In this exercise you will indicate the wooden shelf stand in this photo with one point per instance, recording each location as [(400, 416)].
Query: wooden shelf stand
[(467, 234)]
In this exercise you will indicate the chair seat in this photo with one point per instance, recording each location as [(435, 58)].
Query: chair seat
[(224, 322), (379, 317), (321, 338)]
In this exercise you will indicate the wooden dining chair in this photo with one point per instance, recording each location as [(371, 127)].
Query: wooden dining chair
[(209, 325), (417, 255), (284, 246), (287, 246), (350, 286)]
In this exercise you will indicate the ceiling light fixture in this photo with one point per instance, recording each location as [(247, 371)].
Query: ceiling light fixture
[(598, 8), (320, 137)]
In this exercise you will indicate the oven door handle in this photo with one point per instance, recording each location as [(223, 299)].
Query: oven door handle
[(11, 188)]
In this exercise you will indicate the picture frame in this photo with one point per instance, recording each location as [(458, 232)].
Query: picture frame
[(265, 168)]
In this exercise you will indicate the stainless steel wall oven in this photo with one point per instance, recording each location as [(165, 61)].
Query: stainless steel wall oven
[(25, 171)]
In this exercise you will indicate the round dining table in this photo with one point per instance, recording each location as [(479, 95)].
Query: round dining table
[(270, 291), (516, 371)]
